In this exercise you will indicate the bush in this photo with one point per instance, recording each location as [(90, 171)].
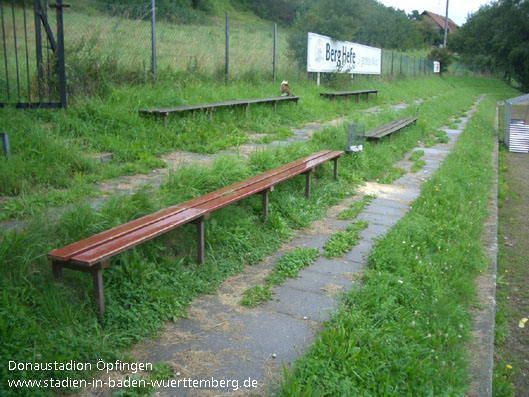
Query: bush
[(444, 56)]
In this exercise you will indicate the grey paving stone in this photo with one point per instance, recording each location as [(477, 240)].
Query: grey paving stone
[(337, 268), (313, 305)]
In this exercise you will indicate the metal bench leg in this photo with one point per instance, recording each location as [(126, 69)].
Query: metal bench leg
[(99, 294), (57, 271), (307, 183), (367, 97), (200, 241), (264, 193), (246, 110), (275, 106), (335, 169), (357, 98), (200, 238), (165, 119)]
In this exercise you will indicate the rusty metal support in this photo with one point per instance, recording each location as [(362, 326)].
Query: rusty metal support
[(199, 222), (99, 293), (335, 169), (57, 270), (264, 193), (307, 182)]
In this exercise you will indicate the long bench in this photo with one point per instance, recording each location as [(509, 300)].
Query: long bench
[(347, 94), (387, 129), (92, 255), (164, 112)]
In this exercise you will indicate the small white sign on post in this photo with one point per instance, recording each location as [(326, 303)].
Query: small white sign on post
[(331, 56), (436, 67)]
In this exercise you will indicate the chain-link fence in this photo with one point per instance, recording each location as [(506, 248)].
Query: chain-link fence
[(134, 42)]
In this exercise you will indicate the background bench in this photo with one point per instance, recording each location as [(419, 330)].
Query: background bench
[(346, 94), (388, 129), (92, 255), (164, 112)]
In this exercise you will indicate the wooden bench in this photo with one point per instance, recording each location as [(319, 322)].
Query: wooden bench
[(92, 255), (390, 128), (164, 112), (346, 94)]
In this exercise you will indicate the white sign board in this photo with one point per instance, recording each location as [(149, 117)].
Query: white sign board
[(327, 55), (436, 67)]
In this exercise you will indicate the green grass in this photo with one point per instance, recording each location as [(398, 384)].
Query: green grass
[(392, 175), (405, 330), (342, 241), (356, 207), (53, 163), (418, 165), (153, 283), (416, 155), (288, 266)]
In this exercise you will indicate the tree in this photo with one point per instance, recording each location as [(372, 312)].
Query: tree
[(497, 37), (362, 21), (444, 56)]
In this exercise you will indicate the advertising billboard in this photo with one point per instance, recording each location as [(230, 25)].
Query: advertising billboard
[(331, 56)]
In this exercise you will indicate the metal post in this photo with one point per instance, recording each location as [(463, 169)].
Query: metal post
[(275, 47), (381, 62), (60, 53), (16, 47), (446, 25), (5, 143), (227, 49), (153, 36), (38, 47), (27, 51), (99, 293), (318, 80), (392, 53), (5, 50), (400, 66)]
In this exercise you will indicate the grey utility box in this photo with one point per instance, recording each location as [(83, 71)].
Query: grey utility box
[(516, 124)]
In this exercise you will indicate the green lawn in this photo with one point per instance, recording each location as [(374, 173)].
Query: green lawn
[(41, 320)]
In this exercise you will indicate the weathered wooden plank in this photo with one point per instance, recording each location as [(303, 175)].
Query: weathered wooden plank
[(238, 102), (188, 211), (394, 126)]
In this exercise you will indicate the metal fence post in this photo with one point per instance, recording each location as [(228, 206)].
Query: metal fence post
[(381, 62), (392, 53), (60, 53), (227, 71), (5, 143), (274, 71), (153, 36)]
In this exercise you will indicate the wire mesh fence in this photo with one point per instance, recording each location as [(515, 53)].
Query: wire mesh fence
[(128, 43)]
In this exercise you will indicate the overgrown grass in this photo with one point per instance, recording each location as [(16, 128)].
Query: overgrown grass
[(41, 320), (356, 207), (288, 266), (416, 155), (404, 331), (418, 165), (392, 175), (53, 151), (341, 242)]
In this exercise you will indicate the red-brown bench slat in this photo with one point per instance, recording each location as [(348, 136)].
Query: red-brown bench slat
[(67, 252), (92, 254), (115, 246)]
